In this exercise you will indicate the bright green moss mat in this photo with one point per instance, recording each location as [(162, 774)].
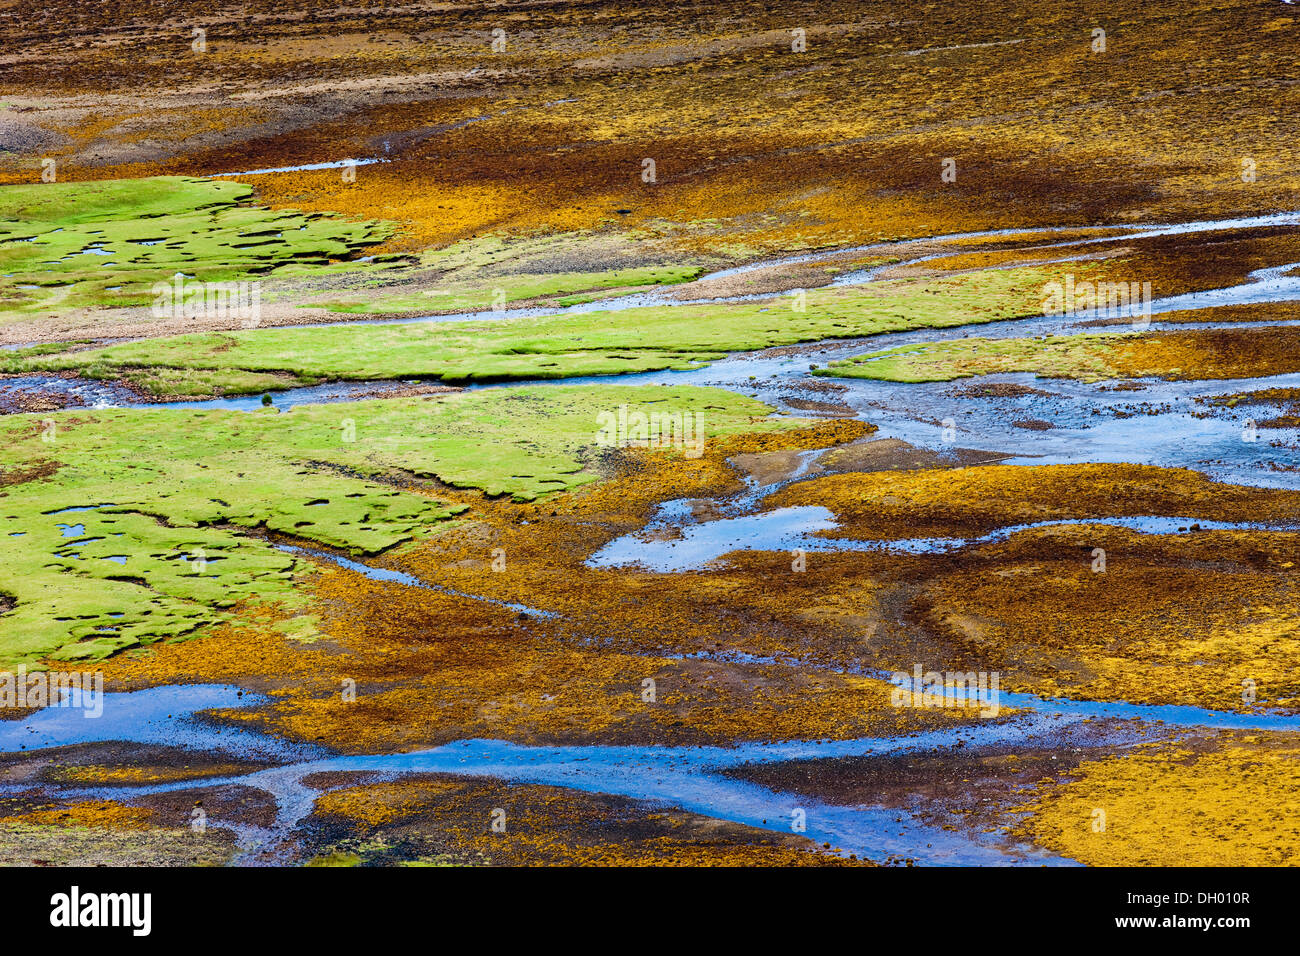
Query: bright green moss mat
[(160, 547), (66, 245), (602, 342)]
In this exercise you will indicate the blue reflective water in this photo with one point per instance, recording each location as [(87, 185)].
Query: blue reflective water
[(399, 577), (694, 547), (159, 715), (691, 778)]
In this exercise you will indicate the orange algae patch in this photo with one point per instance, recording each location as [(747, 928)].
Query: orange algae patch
[(529, 683), (550, 826), (146, 774), (1208, 619), (1205, 617), (1210, 353), (431, 668), (1173, 806), (251, 653), (90, 813), (379, 803), (436, 214), (962, 501)]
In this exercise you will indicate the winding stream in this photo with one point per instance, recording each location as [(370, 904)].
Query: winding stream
[(1148, 422), (785, 529), (687, 777), (692, 778)]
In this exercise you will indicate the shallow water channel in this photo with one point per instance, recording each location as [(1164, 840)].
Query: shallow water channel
[(1146, 422)]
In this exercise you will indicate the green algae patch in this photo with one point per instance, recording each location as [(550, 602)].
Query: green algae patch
[(523, 441), (124, 527), (1190, 355), (175, 383), (1086, 357), (337, 858), (593, 343), (485, 294), (73, 245), (111, 844)]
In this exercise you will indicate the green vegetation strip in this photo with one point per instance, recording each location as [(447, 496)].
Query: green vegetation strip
[(485, 294), (594, 343), (1089, 358), (160, 548)]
